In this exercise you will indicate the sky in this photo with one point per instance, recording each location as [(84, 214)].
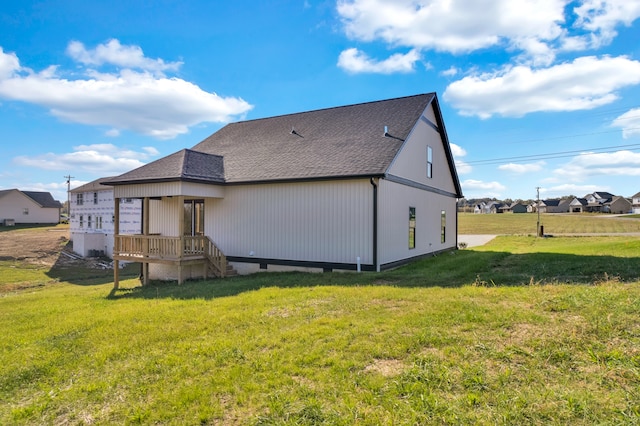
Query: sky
[(535, 94)]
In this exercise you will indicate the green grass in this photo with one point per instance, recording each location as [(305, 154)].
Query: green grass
[(492, 335), (526, 223)]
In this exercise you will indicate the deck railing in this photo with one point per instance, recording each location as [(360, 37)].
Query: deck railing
[(141, 248)]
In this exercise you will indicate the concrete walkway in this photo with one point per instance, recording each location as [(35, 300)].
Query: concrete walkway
[(475, 240)]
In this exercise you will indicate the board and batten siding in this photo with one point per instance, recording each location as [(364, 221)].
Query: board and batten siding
[(393, 222), (411, 161), (328, 221)]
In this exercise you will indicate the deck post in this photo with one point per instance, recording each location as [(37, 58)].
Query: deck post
[(116, 231), (145, 232)]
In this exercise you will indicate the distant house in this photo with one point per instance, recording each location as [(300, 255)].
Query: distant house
[(92, 215), (554, 206), (601, 202), (578, 205), (28, 207), (514, 208), (635, 203), (368, 186), (618, 205)]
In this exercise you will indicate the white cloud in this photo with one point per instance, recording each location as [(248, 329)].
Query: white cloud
[(475, 189), (103, 159), (601, 17), (534, 29), (585, 83), (522, 168), (620, 163), (451, 26), (9, 64), (114, 53), (355, 61), (629, 122), (139, 101), (458, 153), (452, 71)]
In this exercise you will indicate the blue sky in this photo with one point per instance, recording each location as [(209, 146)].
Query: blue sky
[(534, 93)]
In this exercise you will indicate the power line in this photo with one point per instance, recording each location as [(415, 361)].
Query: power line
[(553, 155)]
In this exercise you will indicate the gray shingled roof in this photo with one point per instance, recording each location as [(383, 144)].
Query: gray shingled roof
[(340, 142), (45, 199), (186, 165), (95, 185)]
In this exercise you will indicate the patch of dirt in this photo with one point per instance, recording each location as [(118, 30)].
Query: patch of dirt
[(46, 247), (387, 367), (38, 246)]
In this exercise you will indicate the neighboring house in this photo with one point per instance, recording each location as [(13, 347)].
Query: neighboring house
[(495, 207), (578, 205), (554, 206), (618, 205), (369, 186), (92, 216), (22, 207), (601, 202), (635, 202), (516, 208)]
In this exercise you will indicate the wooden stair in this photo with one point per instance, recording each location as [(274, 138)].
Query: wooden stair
[(218, 265)]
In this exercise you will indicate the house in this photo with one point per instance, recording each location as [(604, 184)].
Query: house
[(22, 207), (635, 202), (368, 186), (554, 206), (578, 205), (618, 205), (601, 202), (514, 208), (92, 215)]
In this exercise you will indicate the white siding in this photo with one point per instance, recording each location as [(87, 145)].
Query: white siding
[(318, 221), (393, 224), (411, 162)]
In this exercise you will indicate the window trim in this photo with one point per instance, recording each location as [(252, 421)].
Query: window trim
[(412, 228)]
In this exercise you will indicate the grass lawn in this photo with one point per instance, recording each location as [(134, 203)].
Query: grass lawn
[(525, 223), (523, 330)]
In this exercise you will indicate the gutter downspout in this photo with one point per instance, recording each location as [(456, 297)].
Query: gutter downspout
[(375, 224)]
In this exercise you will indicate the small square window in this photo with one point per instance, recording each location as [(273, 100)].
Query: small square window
[(25, 211)]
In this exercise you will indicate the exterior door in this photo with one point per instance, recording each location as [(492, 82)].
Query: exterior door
[(194, 217)]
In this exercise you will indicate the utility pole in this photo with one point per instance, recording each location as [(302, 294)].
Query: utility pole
[(538, 210), (69, 177)]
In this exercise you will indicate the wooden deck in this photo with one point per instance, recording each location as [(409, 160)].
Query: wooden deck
[(180, 251)]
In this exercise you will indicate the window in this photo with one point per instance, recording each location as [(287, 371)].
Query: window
[(443, 226), (98, 222), (25, 211), (89, 221), (429, 162), (194, 217), (95, 198), (412, 227), (80, 199), (81, 221)]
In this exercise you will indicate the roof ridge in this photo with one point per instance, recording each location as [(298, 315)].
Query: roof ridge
[(331, 108)]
